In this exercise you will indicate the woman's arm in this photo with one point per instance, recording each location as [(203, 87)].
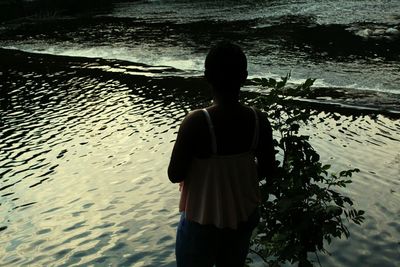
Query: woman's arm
[(182, 153)]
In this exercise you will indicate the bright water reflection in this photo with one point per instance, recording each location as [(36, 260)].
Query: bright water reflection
[(83, 174)]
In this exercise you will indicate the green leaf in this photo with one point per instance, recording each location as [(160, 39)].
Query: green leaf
[(326, 167)]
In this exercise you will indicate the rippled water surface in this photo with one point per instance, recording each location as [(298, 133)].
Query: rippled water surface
[(325, 11), (83, 170), (83, 173)]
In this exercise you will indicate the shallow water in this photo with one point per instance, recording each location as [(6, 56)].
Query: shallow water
[(83, 169)]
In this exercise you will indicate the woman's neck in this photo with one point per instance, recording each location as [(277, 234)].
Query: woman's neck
[(224, 102)]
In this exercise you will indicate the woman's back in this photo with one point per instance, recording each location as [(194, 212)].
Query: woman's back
[(233, 126), (221, 189)]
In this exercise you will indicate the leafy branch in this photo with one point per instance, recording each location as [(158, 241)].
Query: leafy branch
[(301, 206)]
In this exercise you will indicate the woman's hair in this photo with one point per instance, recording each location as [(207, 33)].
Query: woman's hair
[(226, 66)]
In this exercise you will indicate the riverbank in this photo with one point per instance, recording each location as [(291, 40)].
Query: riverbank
[(10, 10)]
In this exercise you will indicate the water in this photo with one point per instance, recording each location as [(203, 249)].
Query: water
[(84, 155), (85, 143), (354, 44), (83, 174), (324, 11)]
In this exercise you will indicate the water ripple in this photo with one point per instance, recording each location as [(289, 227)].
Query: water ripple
[(83, 170)]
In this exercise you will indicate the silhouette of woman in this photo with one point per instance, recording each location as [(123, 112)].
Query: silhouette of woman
[(219, 156)]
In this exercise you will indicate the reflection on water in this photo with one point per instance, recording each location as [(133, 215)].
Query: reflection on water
[(372, 145), (83, 170)]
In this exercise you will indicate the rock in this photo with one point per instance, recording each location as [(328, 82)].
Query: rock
[(379, 32), (392, 31), (364, 33)]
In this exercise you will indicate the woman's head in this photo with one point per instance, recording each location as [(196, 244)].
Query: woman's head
[(226, 68)]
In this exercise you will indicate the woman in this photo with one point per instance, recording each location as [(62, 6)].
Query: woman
[(219, 156)]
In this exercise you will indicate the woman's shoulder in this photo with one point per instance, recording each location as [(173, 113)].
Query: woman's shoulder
[(192, 121), (194, 116)]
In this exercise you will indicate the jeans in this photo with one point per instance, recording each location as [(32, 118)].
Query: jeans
[(206, 245)]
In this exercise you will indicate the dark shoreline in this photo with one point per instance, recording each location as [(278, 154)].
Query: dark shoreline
[(341, 100)]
